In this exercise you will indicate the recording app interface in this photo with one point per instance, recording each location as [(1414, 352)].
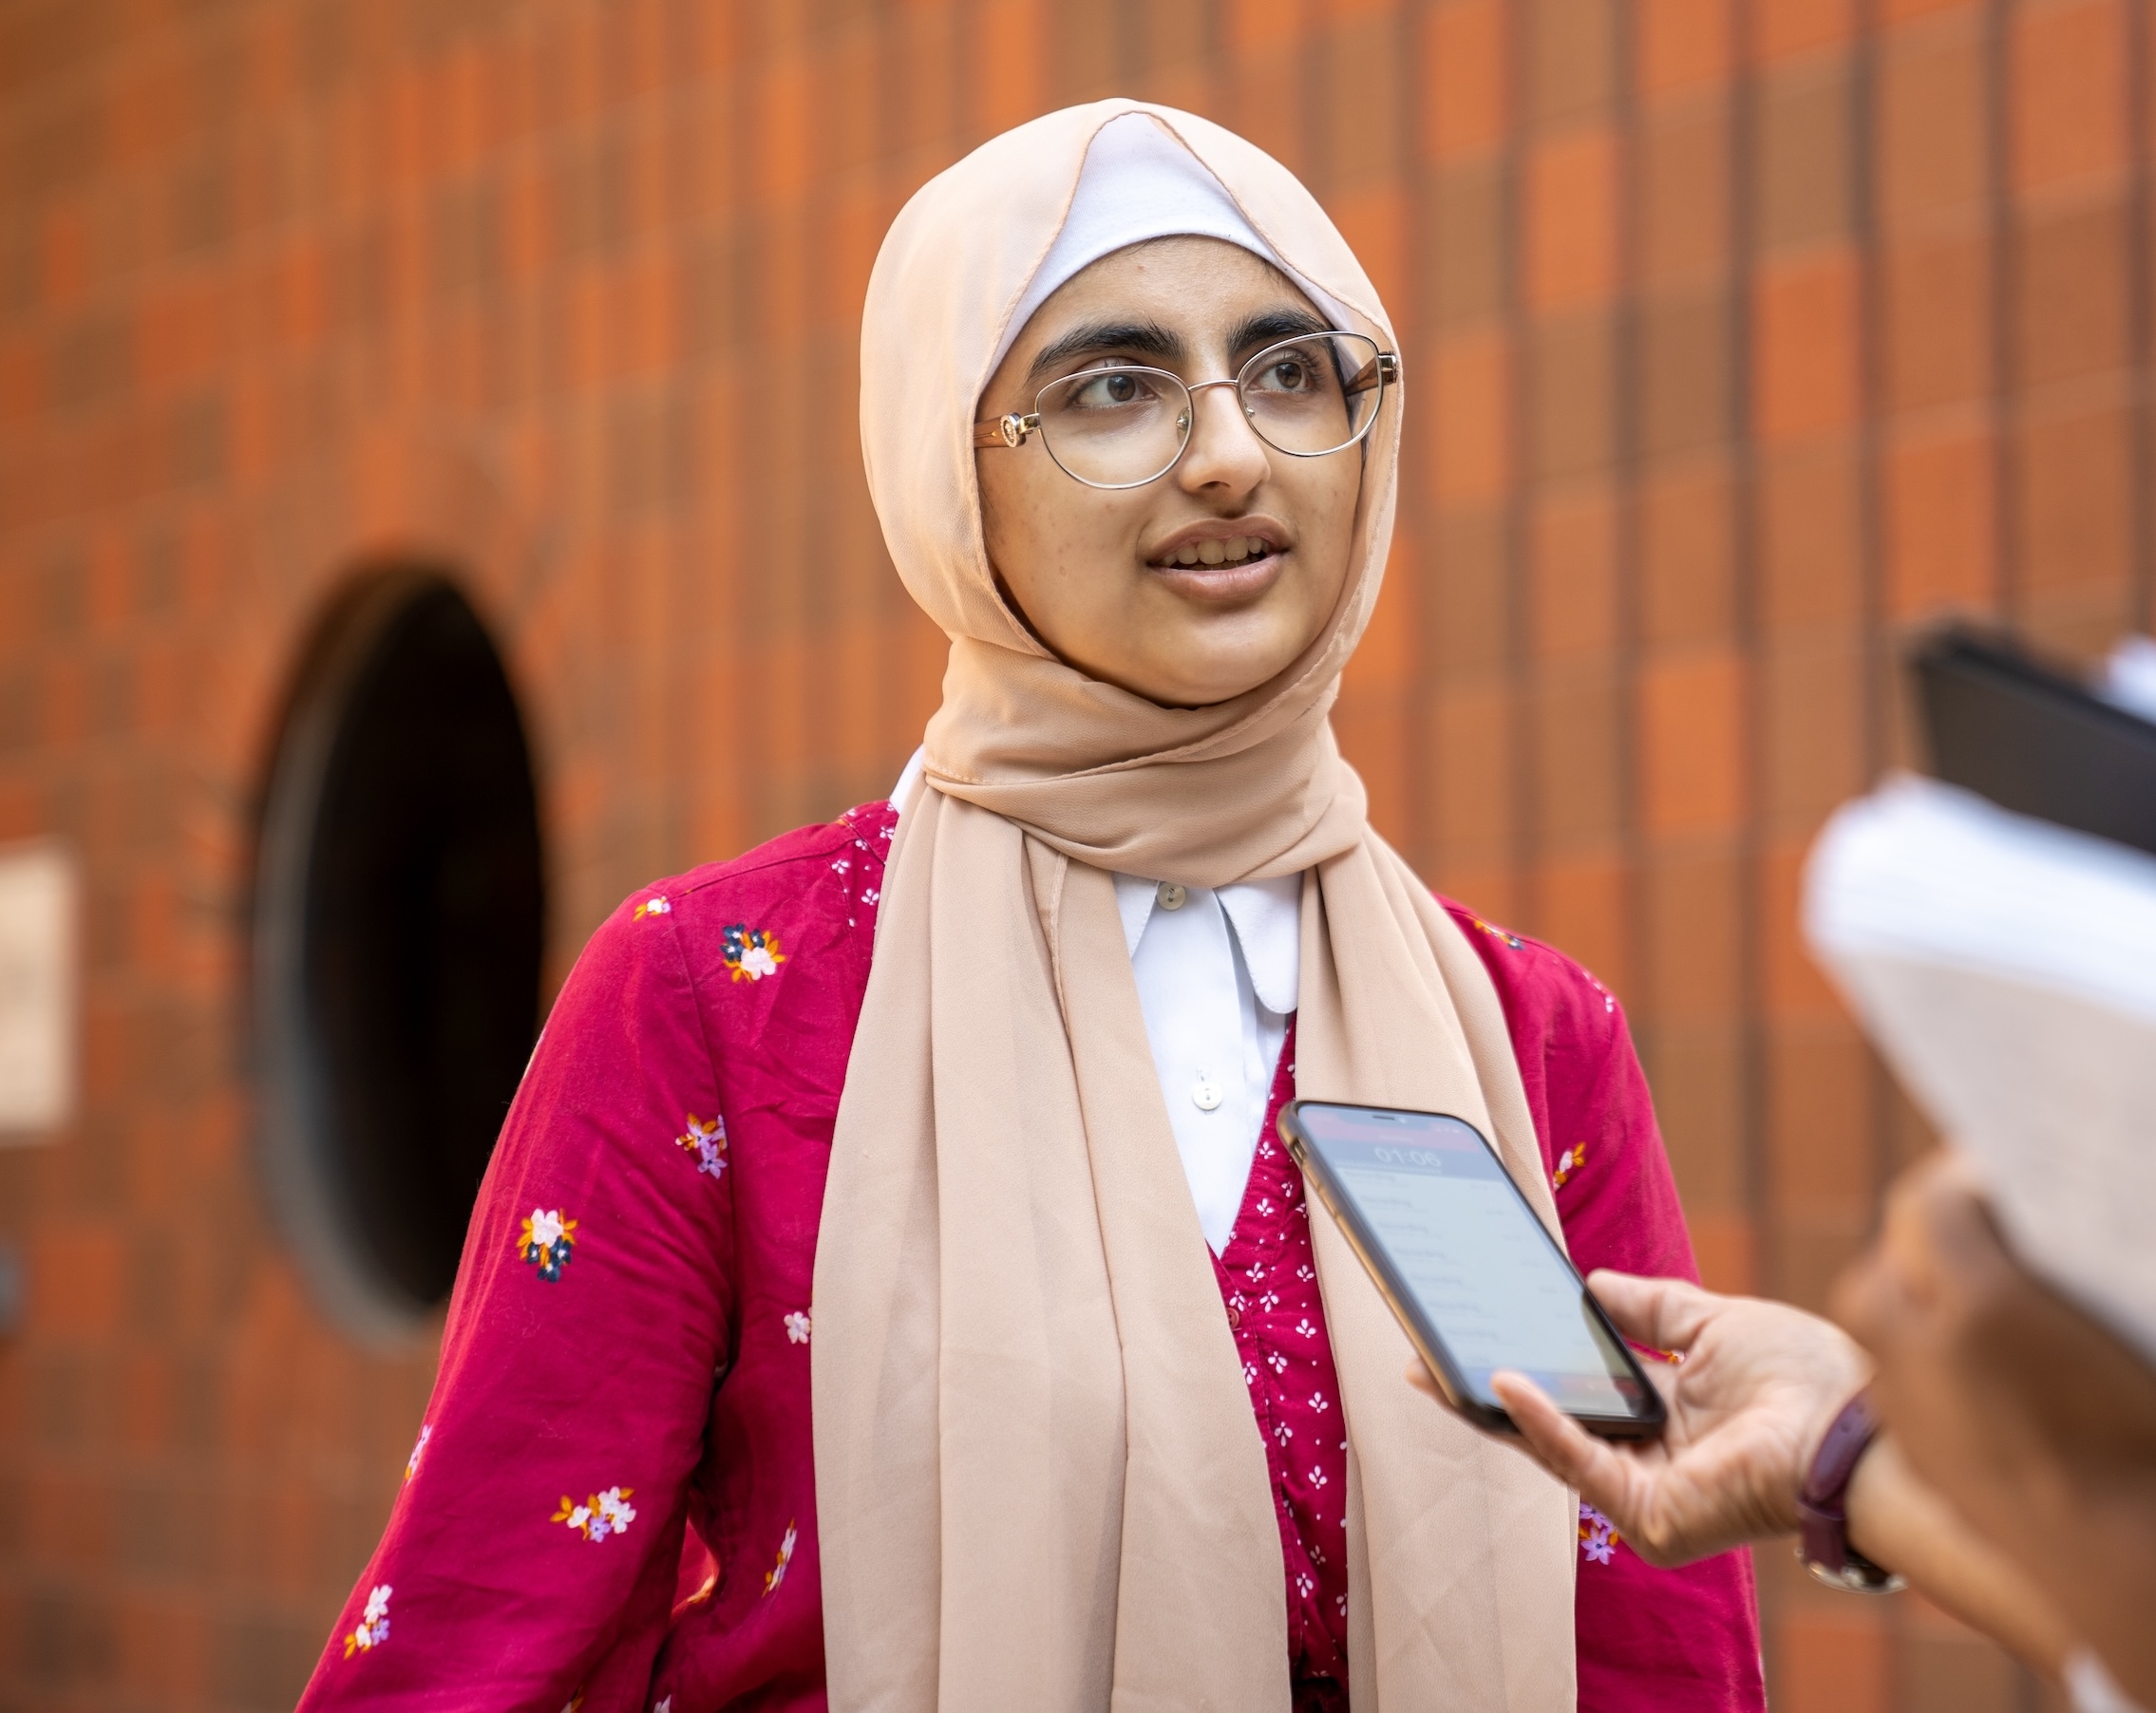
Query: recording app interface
[(1472, 1253)]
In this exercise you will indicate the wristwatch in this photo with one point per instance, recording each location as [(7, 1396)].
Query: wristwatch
[(1823, 1505)]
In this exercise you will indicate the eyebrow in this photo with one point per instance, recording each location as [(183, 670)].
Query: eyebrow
[(1268, 326), (1144, 338)]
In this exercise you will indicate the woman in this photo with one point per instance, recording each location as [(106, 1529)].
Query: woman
[(1088, 1383)]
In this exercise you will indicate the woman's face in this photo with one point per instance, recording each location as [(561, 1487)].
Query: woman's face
[(1098, 574)]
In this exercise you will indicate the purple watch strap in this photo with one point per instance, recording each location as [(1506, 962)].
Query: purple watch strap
[(1822, 1503)]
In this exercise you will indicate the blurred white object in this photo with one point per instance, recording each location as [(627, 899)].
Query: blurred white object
[(2092, 1689), (2006, 968), (37, 989), (2129, 678)]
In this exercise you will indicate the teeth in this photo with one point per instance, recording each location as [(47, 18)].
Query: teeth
[(1232, 552)]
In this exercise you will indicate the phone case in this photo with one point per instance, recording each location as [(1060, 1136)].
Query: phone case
[(1428, 1343)]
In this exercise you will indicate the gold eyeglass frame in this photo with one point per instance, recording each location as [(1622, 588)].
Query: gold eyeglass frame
[(1014, 429)]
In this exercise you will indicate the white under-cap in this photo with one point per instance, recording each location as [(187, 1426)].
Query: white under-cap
[(1138, 183)]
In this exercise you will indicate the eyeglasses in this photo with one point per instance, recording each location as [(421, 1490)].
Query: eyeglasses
[(1126, 424)]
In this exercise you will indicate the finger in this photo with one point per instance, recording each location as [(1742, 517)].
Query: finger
[(1606, 1479), (1666, 1314)]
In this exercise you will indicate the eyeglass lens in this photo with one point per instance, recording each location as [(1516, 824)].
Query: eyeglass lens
[(1125, 425)]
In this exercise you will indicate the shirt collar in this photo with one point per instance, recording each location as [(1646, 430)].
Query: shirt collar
[(1267, 918)]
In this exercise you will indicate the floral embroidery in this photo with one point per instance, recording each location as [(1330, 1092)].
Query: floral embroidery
[(707, 1143), (1567, 1163), (411, 1464), (373, 1624), (797, 1328), (1319, 1403), (753, 951), (546, 1240), (574, 1704), (777, 1573), (1316, 1475), (655, 905), (1512, 940), (1597, 1539), (1305, 1329), (600, 1516)]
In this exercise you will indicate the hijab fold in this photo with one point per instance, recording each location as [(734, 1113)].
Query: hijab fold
[(1039, 1478)]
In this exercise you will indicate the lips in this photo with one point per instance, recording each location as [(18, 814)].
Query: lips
[(1216, 550)]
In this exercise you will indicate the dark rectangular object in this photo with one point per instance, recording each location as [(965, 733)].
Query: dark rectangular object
[(2035, 741)]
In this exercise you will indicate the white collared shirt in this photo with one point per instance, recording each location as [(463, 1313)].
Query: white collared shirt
[(1218, 973)]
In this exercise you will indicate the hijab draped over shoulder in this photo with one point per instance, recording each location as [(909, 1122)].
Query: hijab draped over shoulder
[(1039, 1478)]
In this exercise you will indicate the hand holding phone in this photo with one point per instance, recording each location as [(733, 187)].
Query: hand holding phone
[(1465, 1266)]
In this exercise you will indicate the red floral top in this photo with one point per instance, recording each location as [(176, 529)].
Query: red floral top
[(611, 1503)]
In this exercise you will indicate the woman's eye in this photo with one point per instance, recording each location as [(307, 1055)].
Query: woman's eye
[(1103, 392), (1291, 374)]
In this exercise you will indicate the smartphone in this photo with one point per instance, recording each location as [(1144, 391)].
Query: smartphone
[(1472, 1276)]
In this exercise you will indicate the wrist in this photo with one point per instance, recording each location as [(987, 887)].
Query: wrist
[(1822, 1503)]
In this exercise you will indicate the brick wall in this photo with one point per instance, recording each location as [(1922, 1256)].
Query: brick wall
[(1747, 337)]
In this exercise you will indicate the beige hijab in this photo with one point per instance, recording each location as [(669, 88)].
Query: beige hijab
[(1039, 1481)]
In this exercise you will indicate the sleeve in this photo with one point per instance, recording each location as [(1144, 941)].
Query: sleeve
[(1648, 1639), (530, 1558)]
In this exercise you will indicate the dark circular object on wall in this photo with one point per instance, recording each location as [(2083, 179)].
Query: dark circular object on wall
[(398, 924)]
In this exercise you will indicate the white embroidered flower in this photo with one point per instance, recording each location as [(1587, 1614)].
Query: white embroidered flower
[(546, 1227), (1282, 1432), (1264, 1207), (1304, 1327), (777, 1573), (1249, 1373), (1305, 1274), (614, 1513), (797, 1328), (1316, 1476), (1317, 1403), (373, 1627), (1279, 1362), (758, 961), (411, 1464)]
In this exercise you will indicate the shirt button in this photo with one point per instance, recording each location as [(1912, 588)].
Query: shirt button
[(1170, 896), (1205, 1094)]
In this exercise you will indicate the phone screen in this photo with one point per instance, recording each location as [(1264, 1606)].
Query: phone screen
[(1464, 1245)]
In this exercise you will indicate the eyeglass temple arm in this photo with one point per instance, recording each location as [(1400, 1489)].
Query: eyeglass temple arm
[(1006, 430), (1380, 371)]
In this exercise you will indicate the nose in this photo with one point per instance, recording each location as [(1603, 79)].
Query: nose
[(1224, 451)]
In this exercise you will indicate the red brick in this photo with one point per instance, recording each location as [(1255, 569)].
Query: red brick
[(1574, 556), (76, 1273), (1462, 79), (1782, 28), (1691, 744), (1937, 523), (1831, 1662), (1684, 45), (1472, 431), (1933, 122), (1571, 221), (1808, 355), (2069, 76)]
